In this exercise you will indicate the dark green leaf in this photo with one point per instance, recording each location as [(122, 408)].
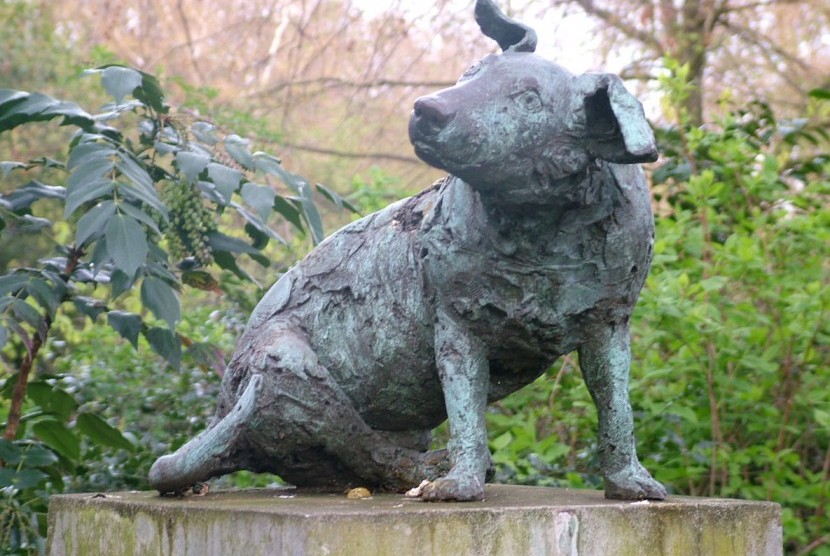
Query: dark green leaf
[(221, 242), (128, 165), (52, 399), (237, 147), (260, 198), (144, 194), (38, 456), (80, 195), (126, 324), (225, 178), (289, 211), (208, 355), (23, 197), (338, 201), (9, 452), (19, 107), (126, 243), (100, 432), (92, 224), (55, 435), (823, 94), (12, 283), (151, 93), (165, 343), (26, 313), (4, 336), (48, 296), (227, 261), (89, 306), (120, 81), (135, 212), (160, 297), (204, 132), (8, 165), (28, 478), (191, 164)]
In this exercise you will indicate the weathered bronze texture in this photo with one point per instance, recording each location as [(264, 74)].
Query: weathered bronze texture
[(535, 246)]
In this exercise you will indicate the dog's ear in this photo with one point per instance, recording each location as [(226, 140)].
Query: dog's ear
[(615, 125), (511, 35)]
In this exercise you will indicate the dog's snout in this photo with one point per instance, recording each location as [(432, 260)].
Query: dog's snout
[(432, 114)]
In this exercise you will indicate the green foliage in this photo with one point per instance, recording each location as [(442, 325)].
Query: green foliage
[(731, 341), (149, 204)]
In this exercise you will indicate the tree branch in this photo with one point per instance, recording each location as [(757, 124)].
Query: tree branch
[(348, 154), (617, 22), (335, 82)]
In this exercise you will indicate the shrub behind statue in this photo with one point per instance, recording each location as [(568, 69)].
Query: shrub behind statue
[(536, 245)]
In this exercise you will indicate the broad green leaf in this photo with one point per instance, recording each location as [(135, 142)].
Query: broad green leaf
[(11, 283), (191, 164), (127, 324), (237, 147), (8, 165), (38, 456), (10, 452), (255, 221), (4, 336), (221, 242), (26, 313), (271, 165), (823, 94), (92, 224), (100, 432), (151, 94), (55, 435), (333, 197), (128, 165), (89, 306), (289, 212), (144, 194), (204, 132), (165, 343), (47, 295), (138, 214), (80, 195), (24, 196), (160, 297), (126, 243), (260, 198), (51, 399), (19, 107), (120, 81), (227, 261), (28, 478), (225, 178)]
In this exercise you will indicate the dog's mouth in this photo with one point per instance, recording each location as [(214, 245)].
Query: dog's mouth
[(428, 153)]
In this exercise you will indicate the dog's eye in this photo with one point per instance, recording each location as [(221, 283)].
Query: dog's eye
[(529, 100)]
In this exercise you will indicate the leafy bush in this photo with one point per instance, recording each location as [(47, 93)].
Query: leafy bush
[(147, 198), (731, 341)]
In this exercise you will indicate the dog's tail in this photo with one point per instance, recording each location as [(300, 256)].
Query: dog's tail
[(211, 453)]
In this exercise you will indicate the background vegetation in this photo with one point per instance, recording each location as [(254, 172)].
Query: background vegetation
[(731, 356)]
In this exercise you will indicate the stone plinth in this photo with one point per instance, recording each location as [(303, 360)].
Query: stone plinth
[(512, 521)]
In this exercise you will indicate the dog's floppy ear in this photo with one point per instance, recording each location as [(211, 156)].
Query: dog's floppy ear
[(615, 125), (511, 35)]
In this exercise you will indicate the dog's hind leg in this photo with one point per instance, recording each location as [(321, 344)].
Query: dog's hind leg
[(605, 361), (305, 422)]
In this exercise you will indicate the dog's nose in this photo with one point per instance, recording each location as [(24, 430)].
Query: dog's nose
[(431, 115)]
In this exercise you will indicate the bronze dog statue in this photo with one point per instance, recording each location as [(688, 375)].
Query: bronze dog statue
[(536, 245)]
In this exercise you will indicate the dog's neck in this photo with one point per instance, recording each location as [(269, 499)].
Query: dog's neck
[(583, 198)]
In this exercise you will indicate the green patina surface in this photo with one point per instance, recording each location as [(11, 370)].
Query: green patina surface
[(512, 520)]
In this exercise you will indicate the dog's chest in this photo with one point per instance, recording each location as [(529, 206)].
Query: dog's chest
[(528, 284)]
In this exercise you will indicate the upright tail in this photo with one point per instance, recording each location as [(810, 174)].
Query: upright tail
[(209, 454)]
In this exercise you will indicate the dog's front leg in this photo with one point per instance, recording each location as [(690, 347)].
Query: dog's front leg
[(605, 361), (464, 372)]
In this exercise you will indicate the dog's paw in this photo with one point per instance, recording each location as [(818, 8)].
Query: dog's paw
[(464, 488), (633, 483)]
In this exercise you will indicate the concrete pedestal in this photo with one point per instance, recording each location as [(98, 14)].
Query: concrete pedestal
[(512, 521)]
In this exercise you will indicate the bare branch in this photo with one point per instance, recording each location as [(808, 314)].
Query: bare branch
[(618, 23), (336, 82), (347, 154)]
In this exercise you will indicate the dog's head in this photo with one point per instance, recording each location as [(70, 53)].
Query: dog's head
[(515, 117)]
